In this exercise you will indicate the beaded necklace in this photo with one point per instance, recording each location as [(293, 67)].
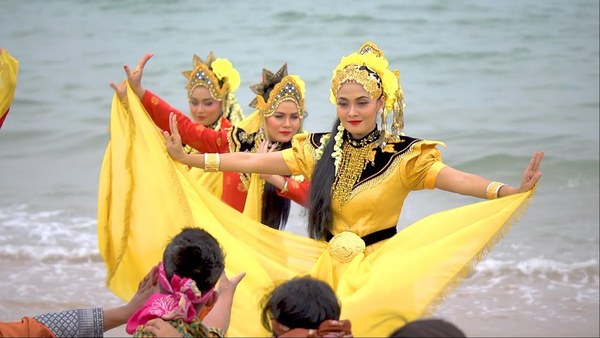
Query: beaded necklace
[(356, 154)]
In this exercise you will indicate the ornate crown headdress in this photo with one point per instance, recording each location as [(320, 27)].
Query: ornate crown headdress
[(216, 74), (370, 68), (221, 79), (283, 87)]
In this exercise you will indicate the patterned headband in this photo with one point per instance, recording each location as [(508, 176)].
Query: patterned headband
[(369, 68), (284, 88), (360, 74), (217, 75)]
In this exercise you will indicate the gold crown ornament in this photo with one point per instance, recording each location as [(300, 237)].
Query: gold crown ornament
[(215, 74), (283, 87)]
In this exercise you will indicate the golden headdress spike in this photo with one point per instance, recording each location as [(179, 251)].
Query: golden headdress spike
[(203, 75), (280, 87), (370, 47), (268, 80)]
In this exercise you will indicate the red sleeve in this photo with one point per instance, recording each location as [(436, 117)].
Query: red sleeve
[(3, 117), (194, 134), (297, 191)]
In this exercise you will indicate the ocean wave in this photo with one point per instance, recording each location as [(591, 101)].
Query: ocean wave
[(50, 235), (49, 254), (586, 272)]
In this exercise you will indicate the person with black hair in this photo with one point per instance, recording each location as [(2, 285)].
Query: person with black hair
[(428, 327), (211, 85), (280, 110), (193, 263), (303, 307), (361, 174)]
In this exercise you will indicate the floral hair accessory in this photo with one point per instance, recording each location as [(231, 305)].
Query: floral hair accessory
[(217, 75), (223, 69), (178, 302)]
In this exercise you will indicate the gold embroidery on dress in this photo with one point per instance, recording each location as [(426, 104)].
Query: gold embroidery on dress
[(384, 173), (297, 178), (389, 148), (354, 161), (236, 137)]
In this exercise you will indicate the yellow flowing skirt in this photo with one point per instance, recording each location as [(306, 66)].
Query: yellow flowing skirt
[(145, 198), (9, 68)]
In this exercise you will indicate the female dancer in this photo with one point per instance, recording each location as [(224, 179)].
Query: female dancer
[(9, 67), (361, 176), (280, 109), (211, 98)]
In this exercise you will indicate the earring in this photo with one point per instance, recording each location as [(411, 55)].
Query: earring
[(383, 129)]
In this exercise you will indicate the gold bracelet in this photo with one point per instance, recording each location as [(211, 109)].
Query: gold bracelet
[(492, 190), (285, 186), (211, 162)]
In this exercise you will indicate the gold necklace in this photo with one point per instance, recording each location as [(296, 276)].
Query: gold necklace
[(354, 161)]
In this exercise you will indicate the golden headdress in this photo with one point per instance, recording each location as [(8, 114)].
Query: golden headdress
[(370, 68), (216, 74), (220, 78), (281, 87)]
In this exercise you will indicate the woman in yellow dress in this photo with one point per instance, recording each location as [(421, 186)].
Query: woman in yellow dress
[(9, 67), (360, 175)]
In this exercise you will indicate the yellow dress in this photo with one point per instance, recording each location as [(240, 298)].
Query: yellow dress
[(401, 280), (9, 67)]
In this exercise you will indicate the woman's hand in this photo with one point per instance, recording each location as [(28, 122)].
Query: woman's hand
[(264, 148), (120, 90), (135, 77), (173, 140), (227, 286), (532, 173), (161, 328), (147, 287)]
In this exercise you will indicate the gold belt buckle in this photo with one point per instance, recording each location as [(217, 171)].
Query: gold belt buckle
[(345, 246)]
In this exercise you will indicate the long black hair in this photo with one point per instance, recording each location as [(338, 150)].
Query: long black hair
[(275, 209), (320, 217)]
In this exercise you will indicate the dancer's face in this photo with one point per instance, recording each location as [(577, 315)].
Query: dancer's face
[(203, 108), (284, 123), (356, 110)]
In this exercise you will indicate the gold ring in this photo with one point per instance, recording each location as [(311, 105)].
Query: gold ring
[(172, 138)]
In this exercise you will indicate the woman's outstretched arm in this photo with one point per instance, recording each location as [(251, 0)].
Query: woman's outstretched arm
[(262, 163), (460, 182)]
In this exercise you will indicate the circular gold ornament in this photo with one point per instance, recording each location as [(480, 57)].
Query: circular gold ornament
[(345, 246)]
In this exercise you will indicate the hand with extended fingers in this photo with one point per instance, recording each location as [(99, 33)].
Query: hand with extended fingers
[(173, 140), (135, 78), (532, 173)]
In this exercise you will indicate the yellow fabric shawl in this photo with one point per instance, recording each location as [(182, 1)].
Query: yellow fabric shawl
[(145, 198)]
